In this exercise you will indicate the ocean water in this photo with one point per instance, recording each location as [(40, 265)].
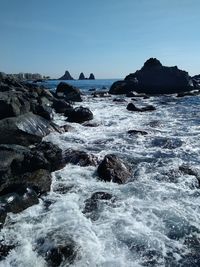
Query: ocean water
[(154, 218), (84, 85)]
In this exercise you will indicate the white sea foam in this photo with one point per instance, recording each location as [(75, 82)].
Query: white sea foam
[(151, 215)]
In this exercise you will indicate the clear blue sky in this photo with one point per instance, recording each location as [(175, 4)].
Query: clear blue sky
[(110, 38)]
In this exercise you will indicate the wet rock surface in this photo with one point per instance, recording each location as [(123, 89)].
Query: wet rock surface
[(79, 115), (132, 107), (68, 92), (113, 169), (25, 129)]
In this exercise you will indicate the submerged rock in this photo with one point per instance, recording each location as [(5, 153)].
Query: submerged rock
[(91, 204), (167, 143), (113, 169), (133, 132), (154, 78), (68, 92), (57, 250), (79, 115)]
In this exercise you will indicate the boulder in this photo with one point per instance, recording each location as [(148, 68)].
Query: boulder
[(52, 153), (66, 76), (25, 129), (42, 110), (81, 76), (80, 158), (91, 77), (68, 92), (79, 115), (21, 167), (154, 78), (113, 169), (61, 105), (132, 107), (13, 104)]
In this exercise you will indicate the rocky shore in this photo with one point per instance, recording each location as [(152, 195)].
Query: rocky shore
[(27, 162)]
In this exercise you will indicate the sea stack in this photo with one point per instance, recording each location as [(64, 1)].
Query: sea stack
[(91, 76), (81, 76), (66, 76), (154, 78)]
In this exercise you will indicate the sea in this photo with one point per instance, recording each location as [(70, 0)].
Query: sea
[(153, 219)]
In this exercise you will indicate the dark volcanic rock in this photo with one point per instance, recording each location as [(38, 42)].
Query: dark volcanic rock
[(43, 110), (113, 169), (4, 250), (81, 158), (3, 214), (17, 202), (132, 107), (79, 115), (66, 76), (20, 167), (25, 129), (13, 104), (52, 153), (61, 106), (81, 76), (69, 92), (91, 77), (153, 78), (133, 132)]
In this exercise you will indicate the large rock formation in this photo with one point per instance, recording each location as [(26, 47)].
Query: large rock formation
[(81, 76), (154, 78), (66, 76), (91, 76), (25, 129)]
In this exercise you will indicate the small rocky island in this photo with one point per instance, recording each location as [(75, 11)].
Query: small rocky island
[(82, 76), (66, 76)]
